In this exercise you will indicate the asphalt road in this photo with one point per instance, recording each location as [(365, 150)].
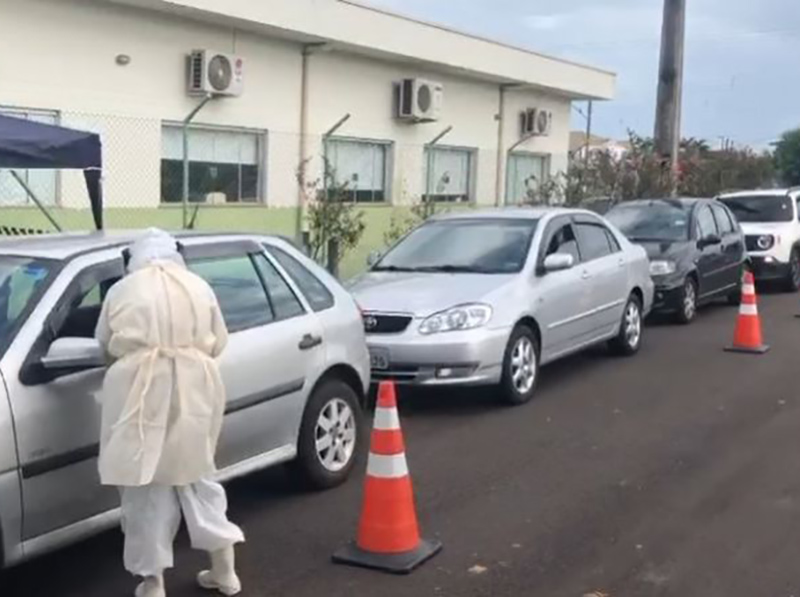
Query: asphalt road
[(675, 473)]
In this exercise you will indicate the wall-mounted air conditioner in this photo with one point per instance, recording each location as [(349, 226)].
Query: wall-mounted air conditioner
[(215, 73), (419, 100)]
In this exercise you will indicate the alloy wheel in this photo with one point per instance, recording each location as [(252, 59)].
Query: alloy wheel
[(633, 324), (523, 365), (335, 435)]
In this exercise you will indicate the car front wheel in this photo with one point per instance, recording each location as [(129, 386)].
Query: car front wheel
[(520, 366), (687, 304), (793, 277), (329, 436), (629, 338)]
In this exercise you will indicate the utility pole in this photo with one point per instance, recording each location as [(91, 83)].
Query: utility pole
[(670, 85), (588, 134)]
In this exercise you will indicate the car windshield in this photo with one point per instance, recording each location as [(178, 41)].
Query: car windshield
[(760, 208), (21, 279), (488, 246), (652, 221)]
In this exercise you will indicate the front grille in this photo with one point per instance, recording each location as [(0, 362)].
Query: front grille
[(386, 324)]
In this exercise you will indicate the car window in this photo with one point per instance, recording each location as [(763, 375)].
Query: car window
[(612, 241), (724, 223), (798, 208), (241, 294), (79, 308), (22, 279), (284, 302), (594, 241), (564, 241), (317, 295), (706, 226)]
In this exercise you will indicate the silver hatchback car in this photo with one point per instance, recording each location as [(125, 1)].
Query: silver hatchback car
[(484, 298), (296, 372)]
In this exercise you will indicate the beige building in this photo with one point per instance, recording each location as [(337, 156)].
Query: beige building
[(119, 67)]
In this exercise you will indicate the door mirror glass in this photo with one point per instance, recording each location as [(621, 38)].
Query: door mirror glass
[(558, 261), (74, 353), (373, 258)]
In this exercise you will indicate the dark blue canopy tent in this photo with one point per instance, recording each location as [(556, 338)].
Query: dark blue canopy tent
[(32, 145)]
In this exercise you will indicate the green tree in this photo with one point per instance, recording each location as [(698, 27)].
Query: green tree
[(787, 157)]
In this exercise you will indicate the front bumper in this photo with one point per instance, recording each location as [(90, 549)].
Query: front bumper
[(469, 358), (667, 298), (769, 268)]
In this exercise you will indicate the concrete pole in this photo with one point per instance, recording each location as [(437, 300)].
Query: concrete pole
[(670, 84), (588, 134)]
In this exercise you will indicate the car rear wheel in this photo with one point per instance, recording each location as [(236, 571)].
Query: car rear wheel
[(329, 436), (629, 339), (687, 303), (520, 366), (792, 283)]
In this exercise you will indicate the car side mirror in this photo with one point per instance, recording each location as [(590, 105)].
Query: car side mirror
[(74, 353), (558, 262), (373, 258), (710, 240)]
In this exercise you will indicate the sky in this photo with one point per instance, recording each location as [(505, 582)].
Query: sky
[(742, 57)]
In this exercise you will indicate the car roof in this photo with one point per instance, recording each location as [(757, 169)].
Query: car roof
[(64, 246), (761, 193), (511, 213), (684, 201)]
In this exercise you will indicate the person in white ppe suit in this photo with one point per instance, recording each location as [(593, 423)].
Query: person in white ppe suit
[(163, 403)]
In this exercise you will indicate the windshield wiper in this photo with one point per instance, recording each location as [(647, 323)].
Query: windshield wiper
[(393, 268), (452, 269)]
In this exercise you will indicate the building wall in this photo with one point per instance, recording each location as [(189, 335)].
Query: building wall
[(60, 55)]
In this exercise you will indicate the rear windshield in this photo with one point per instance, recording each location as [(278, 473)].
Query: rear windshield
[(760, 208), (652, 221), (21, 281)]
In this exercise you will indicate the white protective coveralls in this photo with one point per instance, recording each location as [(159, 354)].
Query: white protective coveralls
[(163, 403)]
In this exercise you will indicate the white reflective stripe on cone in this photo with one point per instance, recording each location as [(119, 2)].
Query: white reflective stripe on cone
[(386, 419), (387, 467), (745, 309), (748, 289)]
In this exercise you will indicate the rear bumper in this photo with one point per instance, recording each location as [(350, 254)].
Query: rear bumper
[(470, 358), (769, 268)]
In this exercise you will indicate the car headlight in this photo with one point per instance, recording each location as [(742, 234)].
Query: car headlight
[(662, 268), (464, 317), (765, 242)]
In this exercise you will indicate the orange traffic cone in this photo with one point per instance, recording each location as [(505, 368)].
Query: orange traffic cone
[(747, 337), (388, 534)]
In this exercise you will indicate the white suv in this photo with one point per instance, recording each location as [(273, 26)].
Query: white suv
[(770, 220)]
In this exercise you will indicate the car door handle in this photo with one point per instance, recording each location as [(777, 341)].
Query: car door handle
[(585, 275), (309, 341)]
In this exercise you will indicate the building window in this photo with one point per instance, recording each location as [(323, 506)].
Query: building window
[(43, 183), (225, 165), (525, 173), (360, 168), (451, 174)]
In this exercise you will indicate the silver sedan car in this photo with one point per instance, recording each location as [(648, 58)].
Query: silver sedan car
[(485, 298), (296, 372)]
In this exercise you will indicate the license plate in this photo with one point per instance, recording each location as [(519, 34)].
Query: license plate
[(379, 359)]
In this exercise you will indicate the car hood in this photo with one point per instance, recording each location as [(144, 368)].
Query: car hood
[(759, 228), (423, 294), (666, 250)]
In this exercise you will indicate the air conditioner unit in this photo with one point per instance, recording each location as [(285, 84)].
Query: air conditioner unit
[(215, 73), (544, 123), (420, 100), (536, 122)]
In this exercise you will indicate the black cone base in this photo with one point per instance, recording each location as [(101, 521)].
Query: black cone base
[(757, 350), (400, 563)]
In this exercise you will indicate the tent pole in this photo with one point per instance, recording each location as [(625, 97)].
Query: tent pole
[(186, 122), (35, 199)]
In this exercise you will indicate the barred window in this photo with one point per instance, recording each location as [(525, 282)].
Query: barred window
[(451, 174), (225, 165), (360, 167)]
